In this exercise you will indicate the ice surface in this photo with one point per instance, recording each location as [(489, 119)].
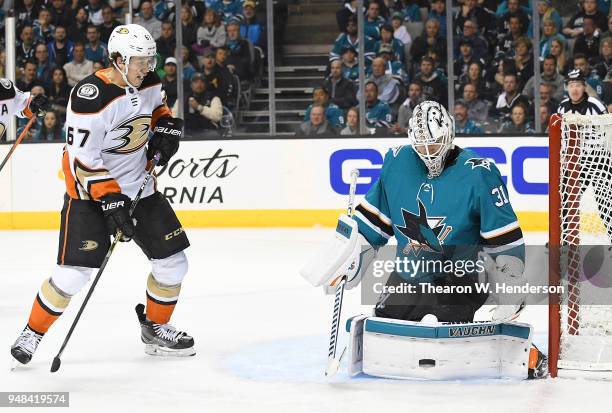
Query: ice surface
[(261, 335)]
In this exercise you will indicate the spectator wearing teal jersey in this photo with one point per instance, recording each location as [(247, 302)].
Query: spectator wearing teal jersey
[(162, 9), (228, 9), (378, 113), (386, 38), (350, 65), (350, 39), (548, 12), (411, 11), (95, 50), (373, 21), (335, 116), (462, 123)]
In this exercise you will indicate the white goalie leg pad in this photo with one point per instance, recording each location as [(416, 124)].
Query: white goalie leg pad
[(442, 351), (70, 279), (170, 270), (354, 326)]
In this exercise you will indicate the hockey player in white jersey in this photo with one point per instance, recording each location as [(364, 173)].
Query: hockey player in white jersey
[(14, 102), (442, 204), (107, 152)]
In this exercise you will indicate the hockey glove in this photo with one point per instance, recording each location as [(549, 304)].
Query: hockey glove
[(39, 105), (116, 210), (166, 138)]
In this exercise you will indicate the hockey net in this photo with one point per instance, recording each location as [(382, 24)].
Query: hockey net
[(580, 173)]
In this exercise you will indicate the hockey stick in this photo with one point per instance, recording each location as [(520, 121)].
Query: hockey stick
[(18, 141), (56, 360), (333, 363)]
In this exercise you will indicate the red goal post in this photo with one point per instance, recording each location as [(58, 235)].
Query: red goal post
[(580, 194)]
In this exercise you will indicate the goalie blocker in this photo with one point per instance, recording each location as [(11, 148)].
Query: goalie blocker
[(431, 350)]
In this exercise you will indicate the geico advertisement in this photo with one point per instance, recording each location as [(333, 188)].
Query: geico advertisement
[(272, 174)]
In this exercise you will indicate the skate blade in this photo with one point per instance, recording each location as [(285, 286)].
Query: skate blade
[(155, 350), (15, 364)]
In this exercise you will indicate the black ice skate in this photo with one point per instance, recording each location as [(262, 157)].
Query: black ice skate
[(26, 345), (163, 339)]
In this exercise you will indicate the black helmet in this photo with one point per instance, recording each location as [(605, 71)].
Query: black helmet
[(575, 74)]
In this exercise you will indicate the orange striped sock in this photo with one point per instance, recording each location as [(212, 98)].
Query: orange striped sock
[(161, 300), (48, 305)]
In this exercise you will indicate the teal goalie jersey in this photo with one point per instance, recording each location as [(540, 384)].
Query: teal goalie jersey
[(453, 216)]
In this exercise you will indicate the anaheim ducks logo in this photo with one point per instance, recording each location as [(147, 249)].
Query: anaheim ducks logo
[(2, 129), (135, 136), (88, 245), (123, 30)]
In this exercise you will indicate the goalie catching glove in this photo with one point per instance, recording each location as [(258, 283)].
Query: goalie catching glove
[(166, 138), (502, 270), (347, 254)]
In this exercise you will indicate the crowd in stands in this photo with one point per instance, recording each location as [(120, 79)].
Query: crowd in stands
[(59, 42), (405, 54)]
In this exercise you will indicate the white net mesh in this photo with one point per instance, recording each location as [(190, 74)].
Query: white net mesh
[(586, 224)]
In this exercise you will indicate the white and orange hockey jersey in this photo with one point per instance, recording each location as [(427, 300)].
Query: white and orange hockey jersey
[(107, 129), (12, 102)]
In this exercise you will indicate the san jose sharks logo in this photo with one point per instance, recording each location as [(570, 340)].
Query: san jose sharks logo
[(423, 232), (476, 162)]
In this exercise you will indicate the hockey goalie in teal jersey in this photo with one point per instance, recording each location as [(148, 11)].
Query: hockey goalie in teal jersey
[(441, 203)]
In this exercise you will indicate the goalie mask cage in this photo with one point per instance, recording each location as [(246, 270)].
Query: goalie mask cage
[(580, 212)]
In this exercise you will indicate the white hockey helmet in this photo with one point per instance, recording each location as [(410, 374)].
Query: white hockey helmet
[(431, 130), (132, 40)]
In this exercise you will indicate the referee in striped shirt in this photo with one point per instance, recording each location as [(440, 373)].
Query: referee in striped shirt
[(579, 101)]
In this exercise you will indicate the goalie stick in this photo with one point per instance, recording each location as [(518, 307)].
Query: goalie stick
[(333, 363), (56, 360), (18, 141)]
